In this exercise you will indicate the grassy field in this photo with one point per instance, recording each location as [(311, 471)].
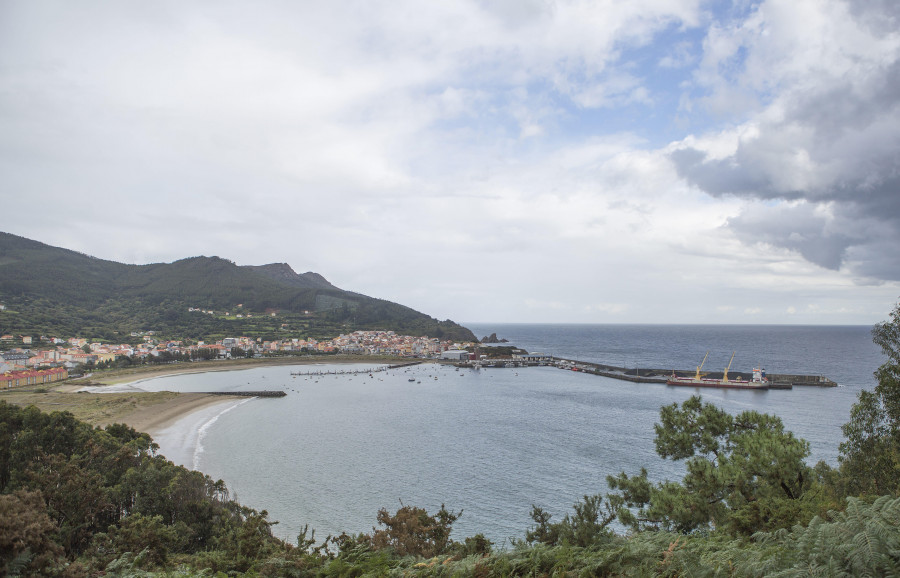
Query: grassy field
[(93, 408)]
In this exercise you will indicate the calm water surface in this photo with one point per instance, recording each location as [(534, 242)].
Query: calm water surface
[(496, 441)]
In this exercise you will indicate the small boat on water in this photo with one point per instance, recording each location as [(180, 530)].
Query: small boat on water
[(759, 380)]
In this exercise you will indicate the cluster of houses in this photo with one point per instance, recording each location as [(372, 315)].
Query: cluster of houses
[(66, 355)]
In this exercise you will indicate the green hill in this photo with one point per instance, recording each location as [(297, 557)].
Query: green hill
[(57, 292)]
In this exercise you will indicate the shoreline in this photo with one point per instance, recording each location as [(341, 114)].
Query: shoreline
[(156, 418), (131, 376), (103, 399), (179, 434)]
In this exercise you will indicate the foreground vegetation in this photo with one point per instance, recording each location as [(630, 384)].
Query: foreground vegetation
[(83, 501)]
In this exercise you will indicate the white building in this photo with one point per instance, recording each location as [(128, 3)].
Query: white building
[(455, 355)]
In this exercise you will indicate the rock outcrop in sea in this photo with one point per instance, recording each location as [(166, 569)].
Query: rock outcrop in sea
[(493, 339)]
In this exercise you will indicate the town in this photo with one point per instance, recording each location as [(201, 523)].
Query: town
[(36, 361)]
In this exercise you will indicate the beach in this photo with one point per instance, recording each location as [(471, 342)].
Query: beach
[(104, 398), (157, 417), (175, 422), (179, 428)]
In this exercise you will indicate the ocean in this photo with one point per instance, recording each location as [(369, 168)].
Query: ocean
[(494, 442)]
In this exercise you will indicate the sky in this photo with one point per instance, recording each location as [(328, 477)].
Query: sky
[(649, 161)]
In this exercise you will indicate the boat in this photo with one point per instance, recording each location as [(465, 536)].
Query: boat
[(758, 381)]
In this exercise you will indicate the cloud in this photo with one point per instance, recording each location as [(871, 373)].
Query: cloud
[(821, 143), (804, 227), (523, 160)]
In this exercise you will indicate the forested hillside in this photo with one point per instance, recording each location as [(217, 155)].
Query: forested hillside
[(57, 292)]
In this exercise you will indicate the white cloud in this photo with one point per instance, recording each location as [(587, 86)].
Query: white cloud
[(822, 128)]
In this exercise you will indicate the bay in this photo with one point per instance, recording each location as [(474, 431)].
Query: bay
[(493, 442)]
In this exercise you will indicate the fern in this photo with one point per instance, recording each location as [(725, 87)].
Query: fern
[(18, 564), (863, 540)]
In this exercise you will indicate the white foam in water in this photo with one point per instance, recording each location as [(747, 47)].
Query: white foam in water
[(179, 441), (201, 432)]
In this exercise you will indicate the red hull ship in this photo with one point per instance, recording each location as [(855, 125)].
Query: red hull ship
[(759, 381)]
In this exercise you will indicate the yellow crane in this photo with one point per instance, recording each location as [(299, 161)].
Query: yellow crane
[(725, 377), (699, 367)]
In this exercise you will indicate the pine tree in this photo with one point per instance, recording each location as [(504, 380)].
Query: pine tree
[(870, 456)]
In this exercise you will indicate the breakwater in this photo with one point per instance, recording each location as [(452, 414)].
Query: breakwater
[(267, 393), (649, 375), (645, 375), (638, 375)]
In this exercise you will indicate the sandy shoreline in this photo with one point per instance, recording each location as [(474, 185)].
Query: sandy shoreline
[(115, 398), (154, 415), (155, 418), (174, 420), (176, 424)]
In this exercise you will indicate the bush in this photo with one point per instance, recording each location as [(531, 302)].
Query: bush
[(412, 532)]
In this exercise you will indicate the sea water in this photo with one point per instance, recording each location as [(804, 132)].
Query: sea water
[(494, 442)]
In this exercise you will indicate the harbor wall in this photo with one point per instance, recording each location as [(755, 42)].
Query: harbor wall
[(268, 393), (651, 375)]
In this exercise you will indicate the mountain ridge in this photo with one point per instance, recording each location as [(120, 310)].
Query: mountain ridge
[(53, 290), (283, 271)]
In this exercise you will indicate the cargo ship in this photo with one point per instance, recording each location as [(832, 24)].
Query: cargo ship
[(758, 381)]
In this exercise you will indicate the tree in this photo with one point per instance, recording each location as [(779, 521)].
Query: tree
[(412, 532), (587, 526), (870, 456), (146, 534), (25, 535), (745, 474)]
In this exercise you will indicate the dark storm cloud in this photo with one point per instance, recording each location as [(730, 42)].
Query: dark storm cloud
[(837, 145), (734, 175), (881, 16), (796, 227)]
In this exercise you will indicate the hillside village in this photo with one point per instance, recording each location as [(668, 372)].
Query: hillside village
[(73, 353)]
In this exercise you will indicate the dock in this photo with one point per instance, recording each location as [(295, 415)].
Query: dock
[(312, 372), (267, 393), (318, 372), (650, 375)]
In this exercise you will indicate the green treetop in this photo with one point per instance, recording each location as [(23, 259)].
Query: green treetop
[(745, 474), (870, 456)]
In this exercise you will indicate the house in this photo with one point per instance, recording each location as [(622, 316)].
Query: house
[(222, 352), (15, 358)]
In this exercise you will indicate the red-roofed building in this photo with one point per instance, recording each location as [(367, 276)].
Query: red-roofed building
[(222, 352), (32, 377)]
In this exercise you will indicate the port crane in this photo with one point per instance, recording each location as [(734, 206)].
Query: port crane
[(699, 367), (725, 377)]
